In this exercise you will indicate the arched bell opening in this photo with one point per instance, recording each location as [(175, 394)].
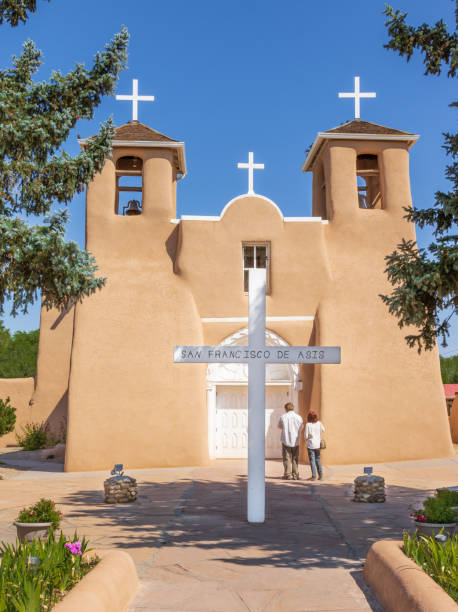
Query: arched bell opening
[(368, 181), (227, 401), (129, 186)]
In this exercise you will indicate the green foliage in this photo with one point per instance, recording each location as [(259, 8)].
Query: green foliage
[(449, 369), (25, 587), (35, 120), (448, 497), (38, 435), (438, 560), (425, 280), (18, 353), (437, 508), (7, 416), (14, 11), (44, 511), (439, 47), (33, 437)]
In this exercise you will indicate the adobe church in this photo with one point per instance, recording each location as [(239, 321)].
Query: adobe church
[(106, 365)]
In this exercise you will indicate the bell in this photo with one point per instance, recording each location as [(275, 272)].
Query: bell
[(133, 208)]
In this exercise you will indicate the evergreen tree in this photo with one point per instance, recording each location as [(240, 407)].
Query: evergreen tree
[(18, 353), (35, 173), (449, 369), (425, 280)]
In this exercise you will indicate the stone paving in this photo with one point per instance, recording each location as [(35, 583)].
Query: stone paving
[(193, 549)]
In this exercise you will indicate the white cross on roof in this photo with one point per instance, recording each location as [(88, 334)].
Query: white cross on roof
[(357, 95), (135, 99), (250, 166)]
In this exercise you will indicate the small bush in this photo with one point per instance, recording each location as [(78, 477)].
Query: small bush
[(450, 498), (44, 511), (437, 509), (33, 437), (438, 560), (7, 416), (25, 586)]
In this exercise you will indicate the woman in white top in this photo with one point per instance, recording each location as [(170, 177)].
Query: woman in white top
[(312, 436)]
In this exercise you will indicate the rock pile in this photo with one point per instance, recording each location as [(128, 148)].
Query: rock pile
[(120, 489), (369, 489)]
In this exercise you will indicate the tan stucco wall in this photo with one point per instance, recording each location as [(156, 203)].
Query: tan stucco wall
[(453, 419), (19, 390), (128, 401), (384, 402), (53, 368)]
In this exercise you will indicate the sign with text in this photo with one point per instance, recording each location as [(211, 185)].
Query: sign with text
[(245, 354)]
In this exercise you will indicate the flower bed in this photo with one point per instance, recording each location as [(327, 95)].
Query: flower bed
[(35, 575), (438, 559)]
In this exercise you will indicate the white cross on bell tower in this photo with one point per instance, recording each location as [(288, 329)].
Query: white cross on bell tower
[(357, 95), (250, 166), (135, 98)]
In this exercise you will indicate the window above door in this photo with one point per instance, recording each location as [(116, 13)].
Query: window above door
[(255, 255)]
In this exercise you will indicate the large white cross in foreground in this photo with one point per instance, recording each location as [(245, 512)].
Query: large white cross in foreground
[(250, 166), (357, 95), (256, 354), (135, 99)]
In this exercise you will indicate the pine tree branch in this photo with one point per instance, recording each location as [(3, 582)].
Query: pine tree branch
[(15, 11)]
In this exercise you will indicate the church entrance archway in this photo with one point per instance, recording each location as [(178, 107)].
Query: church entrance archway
[(227, 400)]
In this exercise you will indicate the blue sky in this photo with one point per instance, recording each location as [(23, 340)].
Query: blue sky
[(245, 75)]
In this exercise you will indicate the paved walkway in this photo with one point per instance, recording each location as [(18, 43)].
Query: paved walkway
[(194, 550)]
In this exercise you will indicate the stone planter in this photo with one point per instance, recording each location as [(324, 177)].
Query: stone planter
[(30, 531), (432, 529), (120, 489), (369, 489)]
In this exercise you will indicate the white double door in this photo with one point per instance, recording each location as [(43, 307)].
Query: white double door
[(232, 420)]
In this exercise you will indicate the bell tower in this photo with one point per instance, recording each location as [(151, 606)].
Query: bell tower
[(120, 380), (361, 185)]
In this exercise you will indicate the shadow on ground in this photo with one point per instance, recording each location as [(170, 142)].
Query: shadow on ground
[(307, 525)]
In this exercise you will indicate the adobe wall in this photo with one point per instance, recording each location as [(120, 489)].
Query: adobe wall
[(128, 402), (453, 420), (384, 402), (19, 390), (53, 368)]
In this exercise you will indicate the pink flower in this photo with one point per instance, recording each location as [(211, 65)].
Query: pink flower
[(31, 512), (74, 547)]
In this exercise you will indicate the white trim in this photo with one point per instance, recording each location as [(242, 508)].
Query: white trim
[(148, 144), (200, 218), (303, 220), (322, 136), (218, 218), (245, 319)]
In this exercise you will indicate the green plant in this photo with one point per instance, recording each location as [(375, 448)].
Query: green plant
[(436, 509), (438, 560), (448, 497), (43, 511), (7, 416), (33, 437), (28, 587)]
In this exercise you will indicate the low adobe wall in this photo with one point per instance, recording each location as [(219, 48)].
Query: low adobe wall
[(453, 419), (109, 587), (400, 584), (19, 390)]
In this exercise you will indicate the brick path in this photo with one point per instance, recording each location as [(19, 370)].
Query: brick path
[(194, 550)]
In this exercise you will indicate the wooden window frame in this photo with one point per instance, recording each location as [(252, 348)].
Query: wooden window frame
[(257, 243)]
